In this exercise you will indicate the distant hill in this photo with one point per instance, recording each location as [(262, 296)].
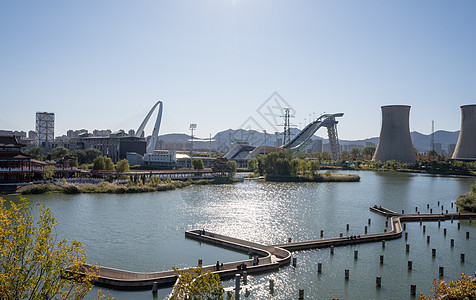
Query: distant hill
[(222, 139)]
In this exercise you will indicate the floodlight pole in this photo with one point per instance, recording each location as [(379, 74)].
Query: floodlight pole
[(192, 128)]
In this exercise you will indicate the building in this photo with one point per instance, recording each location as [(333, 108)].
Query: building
[(116, 146), (466, 145), (45, 128), (395, 142)]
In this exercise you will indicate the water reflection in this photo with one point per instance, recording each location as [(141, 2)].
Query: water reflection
[(145, 232)]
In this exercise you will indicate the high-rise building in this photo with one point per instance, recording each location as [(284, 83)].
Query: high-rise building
[(45, 128)]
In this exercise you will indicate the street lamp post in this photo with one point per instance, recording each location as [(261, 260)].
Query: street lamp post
[(192, 128)]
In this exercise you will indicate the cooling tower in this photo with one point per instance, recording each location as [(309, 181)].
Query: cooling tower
[(395, 142), (466, 146)]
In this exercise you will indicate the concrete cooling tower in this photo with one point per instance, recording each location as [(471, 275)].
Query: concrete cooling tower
[(466, 146), (395, 142)]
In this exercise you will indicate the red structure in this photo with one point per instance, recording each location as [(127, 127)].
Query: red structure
[(19, 167)]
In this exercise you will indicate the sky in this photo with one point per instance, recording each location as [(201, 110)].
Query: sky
[(225, 64)]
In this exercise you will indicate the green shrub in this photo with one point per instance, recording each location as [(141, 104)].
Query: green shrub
[(71, 189)]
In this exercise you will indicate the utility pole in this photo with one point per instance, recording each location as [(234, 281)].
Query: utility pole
[(287, 125), (264, 142), (432, 142), (192, 128)]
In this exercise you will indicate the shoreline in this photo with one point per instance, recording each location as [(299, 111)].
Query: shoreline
[(106, 187)]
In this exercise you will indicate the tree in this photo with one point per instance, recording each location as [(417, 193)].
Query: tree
[(48, 172), (109, 165), (313, 166), (32, 264), (231, 167), (294, 167), (355, 153), (122, 165), (37, 152), (59, 151), (91, 154), (197, 164), (99, 163), (198, 285), (368, 152), (103, 163), (463, 288)]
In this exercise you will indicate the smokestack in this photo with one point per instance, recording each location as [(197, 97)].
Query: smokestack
[(395, 142), (466, 146)]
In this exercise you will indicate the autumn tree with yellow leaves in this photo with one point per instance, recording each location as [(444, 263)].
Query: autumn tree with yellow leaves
[(33, 264)]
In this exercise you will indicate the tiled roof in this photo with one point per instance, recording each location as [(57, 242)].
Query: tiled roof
[(10, 142)]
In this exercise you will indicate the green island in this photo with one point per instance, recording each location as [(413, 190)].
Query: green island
[(152, 185), (284, 167), (467, 201)]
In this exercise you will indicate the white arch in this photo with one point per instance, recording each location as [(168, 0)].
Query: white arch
[(155, 133)]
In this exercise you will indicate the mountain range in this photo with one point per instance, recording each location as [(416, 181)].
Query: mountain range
[(221, 141)]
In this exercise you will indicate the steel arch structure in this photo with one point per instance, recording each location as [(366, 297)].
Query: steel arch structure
[(155, 133)]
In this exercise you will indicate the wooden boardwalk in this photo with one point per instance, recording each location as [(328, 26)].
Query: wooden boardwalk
[(271, 258)]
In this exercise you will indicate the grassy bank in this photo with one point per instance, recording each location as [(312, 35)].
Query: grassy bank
[(111, 188), (467, 202), (320, 177)]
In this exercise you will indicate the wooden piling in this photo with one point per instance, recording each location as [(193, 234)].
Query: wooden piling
[(452, 242), (370, 221), (408, 247), (346, 273), (381, 258), (356, 254), (406, 235), (378, 281), (467, 234), (271, 285), (410, 265), (383, 243), (433, 252), (294, 261), (200, 262), (441, 271), (237, 286), (301, 294), (413, 289), (319, 267), (462, 257), (427, 238)]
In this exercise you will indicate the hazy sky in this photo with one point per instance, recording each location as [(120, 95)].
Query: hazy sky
[(103, 64)]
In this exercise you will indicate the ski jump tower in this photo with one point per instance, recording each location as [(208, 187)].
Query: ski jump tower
[(466, 146), (155, 133), (395, 142)]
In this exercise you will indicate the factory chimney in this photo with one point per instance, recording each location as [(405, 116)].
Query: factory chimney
[(466, 146), (395, 142)]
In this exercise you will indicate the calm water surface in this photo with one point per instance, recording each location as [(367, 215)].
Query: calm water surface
[(145, 232)]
